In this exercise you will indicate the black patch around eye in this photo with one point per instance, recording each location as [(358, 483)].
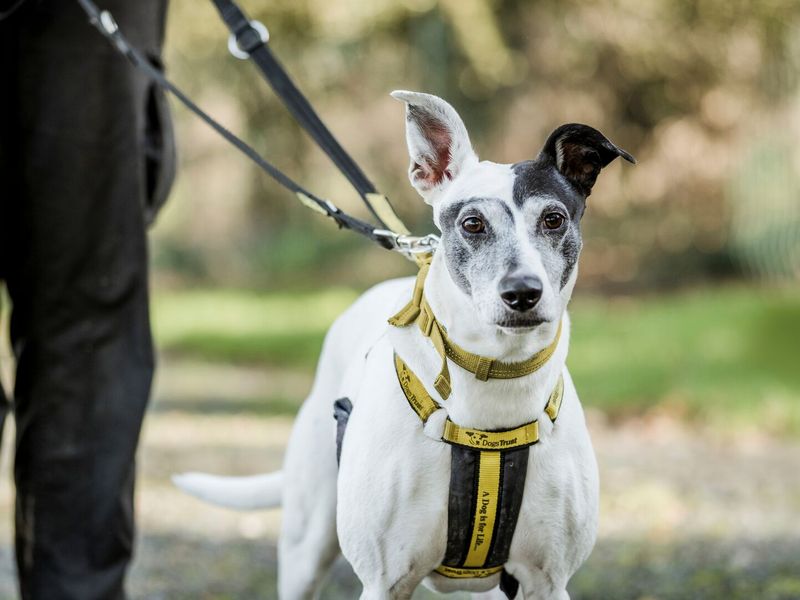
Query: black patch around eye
[(453, 217), (450, 213), (476, 240), (473, 225), (553, 221), (570, 251), (535, 178), (457, 256)]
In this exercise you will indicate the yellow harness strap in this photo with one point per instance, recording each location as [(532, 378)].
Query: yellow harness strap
[(424, 405), (487, 467), (419, 311), (492, 449)]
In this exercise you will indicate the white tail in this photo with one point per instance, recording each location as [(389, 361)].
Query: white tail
[(241, 493)]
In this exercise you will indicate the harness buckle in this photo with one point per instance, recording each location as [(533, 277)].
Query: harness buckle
[(104, 21), (233, 41)]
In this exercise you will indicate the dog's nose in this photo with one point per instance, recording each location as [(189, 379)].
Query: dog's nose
[(520, 293)]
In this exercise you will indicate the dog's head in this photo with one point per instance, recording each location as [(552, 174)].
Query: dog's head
[(510, 233)]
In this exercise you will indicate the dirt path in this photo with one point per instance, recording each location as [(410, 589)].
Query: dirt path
[(686, 512)]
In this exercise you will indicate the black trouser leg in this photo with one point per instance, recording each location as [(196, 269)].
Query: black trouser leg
[(75, 261)]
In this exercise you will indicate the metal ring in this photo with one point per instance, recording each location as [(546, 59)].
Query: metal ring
[(108, 23), (233, 44)]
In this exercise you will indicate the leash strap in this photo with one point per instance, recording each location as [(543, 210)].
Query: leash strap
[(5, 14), (487, 480), (104, 22), (249, 40), (419, 311)]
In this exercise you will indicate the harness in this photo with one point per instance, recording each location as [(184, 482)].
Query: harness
[(488, 468), (419, 311)]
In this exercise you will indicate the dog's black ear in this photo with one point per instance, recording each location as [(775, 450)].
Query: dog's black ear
[(579, 152)]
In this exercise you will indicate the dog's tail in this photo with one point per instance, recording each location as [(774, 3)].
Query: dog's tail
[(241, 493)]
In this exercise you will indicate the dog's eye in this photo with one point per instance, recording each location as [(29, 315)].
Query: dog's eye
[(553, 220), (473, 225)]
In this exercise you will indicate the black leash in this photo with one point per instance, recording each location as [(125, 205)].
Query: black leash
[(249, 40), (4, 14), (408, 245)]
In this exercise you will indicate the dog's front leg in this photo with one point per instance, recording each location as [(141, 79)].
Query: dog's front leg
[(536, 584), (392, 490), (401, 589)]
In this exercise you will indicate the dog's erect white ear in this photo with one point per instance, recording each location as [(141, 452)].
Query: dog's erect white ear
[(438, 143), (579, 152)]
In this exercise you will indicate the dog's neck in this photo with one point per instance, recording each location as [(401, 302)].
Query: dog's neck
[(495, 403)]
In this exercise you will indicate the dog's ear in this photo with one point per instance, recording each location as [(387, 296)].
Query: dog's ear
[(438, 143), (579, 152)]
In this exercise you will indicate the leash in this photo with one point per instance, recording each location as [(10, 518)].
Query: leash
[(248, 39), (5, 14)]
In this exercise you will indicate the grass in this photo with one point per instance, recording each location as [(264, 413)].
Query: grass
[(284, 329), (700, 569), (726, 355)]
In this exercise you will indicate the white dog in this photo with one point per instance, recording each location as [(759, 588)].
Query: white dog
[(454, 470)]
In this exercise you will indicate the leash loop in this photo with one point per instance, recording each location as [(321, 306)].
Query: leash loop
[(240, 46), (108, 23)]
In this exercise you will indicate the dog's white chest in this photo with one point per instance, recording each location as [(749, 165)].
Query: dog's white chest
[(396, 492)]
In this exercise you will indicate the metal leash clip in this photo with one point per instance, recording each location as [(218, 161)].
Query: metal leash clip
[(105, 23), (409, 245), (233, 42)]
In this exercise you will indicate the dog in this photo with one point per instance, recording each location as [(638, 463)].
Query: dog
[(498, 286)]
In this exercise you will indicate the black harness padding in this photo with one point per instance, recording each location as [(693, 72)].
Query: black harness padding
[(463, 498), (462, 502), (341, 412), (512, 485)]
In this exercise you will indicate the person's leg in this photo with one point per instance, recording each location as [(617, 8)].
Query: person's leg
[(7, 74), (78, 283)]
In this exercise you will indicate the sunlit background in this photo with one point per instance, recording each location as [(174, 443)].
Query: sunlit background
[(686, 317)]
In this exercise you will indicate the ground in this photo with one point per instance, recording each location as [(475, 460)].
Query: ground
[(692, 506), (687, 512)]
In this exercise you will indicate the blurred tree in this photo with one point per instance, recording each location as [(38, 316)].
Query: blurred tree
[(692, 88)]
